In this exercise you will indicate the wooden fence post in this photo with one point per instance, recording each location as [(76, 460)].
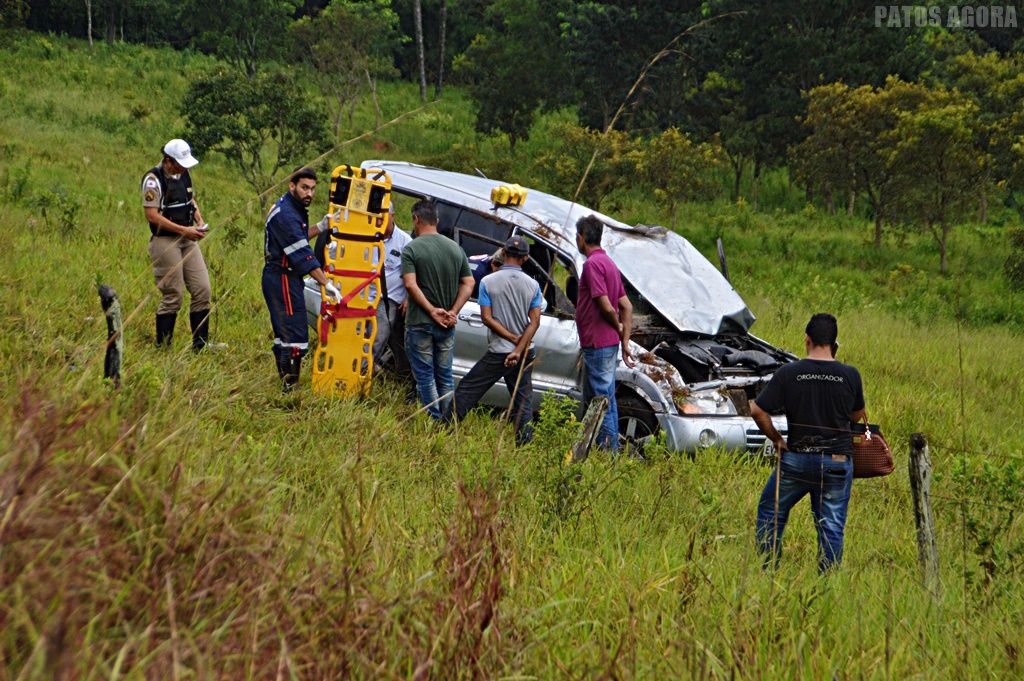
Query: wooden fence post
[(115, 337), (920, 486), (591, 427)]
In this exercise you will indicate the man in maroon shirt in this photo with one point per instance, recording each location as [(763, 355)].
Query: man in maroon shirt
[(604, 316)]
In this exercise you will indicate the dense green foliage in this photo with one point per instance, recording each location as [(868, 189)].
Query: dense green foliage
[(195, 523), (238, 116), (348, 45)]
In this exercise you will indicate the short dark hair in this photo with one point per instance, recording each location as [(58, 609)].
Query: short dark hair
[(303, 174), (591, 229), (425, 210), (822, 329)]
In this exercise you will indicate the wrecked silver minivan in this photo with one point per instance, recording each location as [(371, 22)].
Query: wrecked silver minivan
[(698, 367)]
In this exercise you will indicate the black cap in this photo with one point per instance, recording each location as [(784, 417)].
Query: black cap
[(517, 247)]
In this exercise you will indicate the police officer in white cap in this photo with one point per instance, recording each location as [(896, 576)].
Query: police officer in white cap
[(177, 226)]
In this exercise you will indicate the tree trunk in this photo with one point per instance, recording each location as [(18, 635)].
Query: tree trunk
[(373, 94), (417, 14), (351, 112), (337, 117), (983, 207), (442, 29), (756, 189), (830, 204), (944, 248), (110, 30), (737, 172), (851, 201), (88, 16), (88, 19), (876, 205)]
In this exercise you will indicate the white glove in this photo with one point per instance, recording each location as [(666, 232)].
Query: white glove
[(324, 224), (332, 291)]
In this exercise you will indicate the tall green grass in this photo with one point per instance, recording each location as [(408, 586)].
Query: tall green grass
[(197, 523)]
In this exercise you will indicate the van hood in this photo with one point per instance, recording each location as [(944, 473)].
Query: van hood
[(663, 267)]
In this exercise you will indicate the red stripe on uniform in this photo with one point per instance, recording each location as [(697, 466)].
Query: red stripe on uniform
[(287, 295)]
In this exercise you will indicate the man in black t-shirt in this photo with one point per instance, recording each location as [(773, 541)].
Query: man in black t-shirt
[(820, 398)]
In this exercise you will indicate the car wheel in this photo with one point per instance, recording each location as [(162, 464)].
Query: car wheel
[(637, 422)]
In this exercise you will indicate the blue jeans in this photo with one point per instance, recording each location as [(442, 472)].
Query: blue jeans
[(599, 379), (829, 482), (429, 348)]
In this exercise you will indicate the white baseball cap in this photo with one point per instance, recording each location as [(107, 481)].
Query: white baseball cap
[(180, 152)]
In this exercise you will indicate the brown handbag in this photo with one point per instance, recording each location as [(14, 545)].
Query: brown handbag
[(871, 458)]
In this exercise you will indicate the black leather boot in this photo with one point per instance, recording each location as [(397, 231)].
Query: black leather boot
[(165, 329), (200, 322), (293, 368), (282, 365)]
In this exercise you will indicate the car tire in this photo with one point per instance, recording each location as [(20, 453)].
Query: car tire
[(637, 422)]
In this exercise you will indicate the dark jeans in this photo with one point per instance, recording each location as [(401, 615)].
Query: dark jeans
[(430, 348), (484, 374), (829, 482)]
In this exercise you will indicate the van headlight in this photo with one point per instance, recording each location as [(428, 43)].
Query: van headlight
[(706, 402)]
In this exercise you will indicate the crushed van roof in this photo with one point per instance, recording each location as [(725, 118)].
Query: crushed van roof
[(673, 276)]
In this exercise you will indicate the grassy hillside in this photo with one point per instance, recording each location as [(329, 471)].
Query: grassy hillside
[(197, 524)]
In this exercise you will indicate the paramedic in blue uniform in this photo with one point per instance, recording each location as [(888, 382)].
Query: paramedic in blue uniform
[(289, 258)]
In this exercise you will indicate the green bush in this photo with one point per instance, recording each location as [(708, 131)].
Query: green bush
[(14, 183), (59, 208)]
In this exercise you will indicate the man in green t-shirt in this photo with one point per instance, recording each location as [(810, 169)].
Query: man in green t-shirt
[(439, 282)]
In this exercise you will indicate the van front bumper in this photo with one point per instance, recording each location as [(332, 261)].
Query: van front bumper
[(731, 433)]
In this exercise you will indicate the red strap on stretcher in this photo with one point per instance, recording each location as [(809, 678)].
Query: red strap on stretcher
[(340, 310)]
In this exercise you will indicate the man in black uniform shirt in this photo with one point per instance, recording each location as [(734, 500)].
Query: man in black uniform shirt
[(820, 398)]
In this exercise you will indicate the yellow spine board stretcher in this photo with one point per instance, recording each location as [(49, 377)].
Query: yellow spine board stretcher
[(353, 260)]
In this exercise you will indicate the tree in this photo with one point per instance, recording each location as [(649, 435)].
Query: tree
[(244, 32), (13, 13), (88, 13), (442, 29), (826, 161), (609, 42), (262, 124), (514, 67), (848, 143), (678, 169), (719, 111), (417, 11), (348, 45), (739, 73), (996, 85), (935, 165), (613, 168)]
